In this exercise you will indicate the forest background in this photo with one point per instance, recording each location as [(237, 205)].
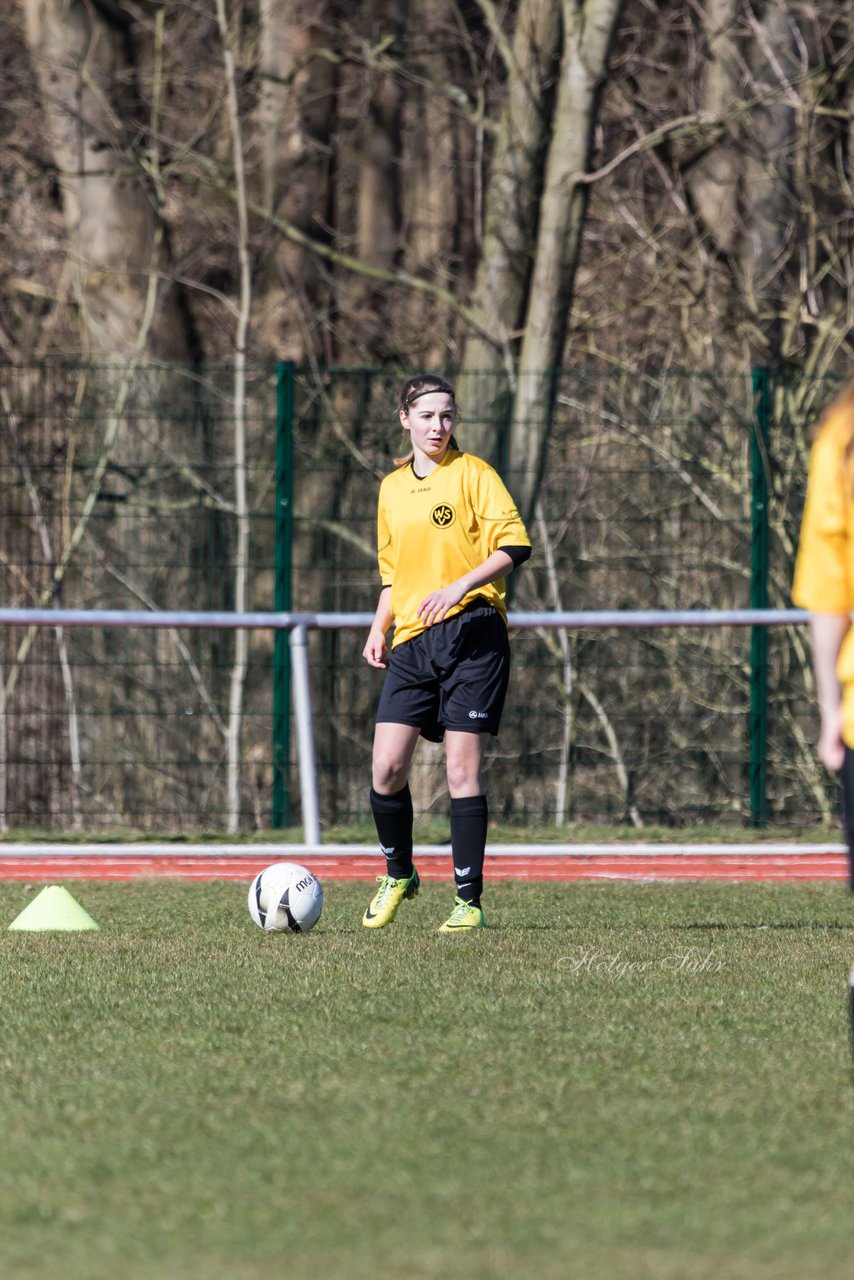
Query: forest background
[(428, 183), (602, 215)]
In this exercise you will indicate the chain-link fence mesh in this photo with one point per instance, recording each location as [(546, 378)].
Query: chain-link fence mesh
[(119, 491)]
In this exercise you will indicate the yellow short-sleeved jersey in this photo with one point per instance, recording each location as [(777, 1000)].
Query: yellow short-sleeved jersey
[(432, 531), (824, 570)]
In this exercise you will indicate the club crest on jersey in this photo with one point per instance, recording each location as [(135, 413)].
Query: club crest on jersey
[(443, 515)]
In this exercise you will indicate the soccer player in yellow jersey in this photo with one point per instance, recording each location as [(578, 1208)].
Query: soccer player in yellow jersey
[(448, 535), (824, 584)]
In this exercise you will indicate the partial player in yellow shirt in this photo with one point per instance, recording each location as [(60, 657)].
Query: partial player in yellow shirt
[(448, 536), (824, 584)]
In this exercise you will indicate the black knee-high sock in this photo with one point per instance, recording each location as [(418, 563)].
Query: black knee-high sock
[(393, 816), (846, 777), (469, 818)]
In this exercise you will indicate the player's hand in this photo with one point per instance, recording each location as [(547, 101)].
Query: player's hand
[(831, 749), (434, 607), (375, 651)]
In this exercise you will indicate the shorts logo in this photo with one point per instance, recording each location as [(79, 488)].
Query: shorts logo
[(478, 715), (443, 515)]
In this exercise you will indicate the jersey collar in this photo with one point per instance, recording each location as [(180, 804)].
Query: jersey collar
[(450, 454)]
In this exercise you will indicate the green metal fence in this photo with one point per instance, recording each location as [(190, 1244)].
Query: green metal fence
[(659, 491)]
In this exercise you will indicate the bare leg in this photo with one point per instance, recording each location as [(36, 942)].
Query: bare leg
[(464, 757), (394, 746)]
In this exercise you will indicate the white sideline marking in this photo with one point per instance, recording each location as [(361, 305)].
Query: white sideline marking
[(288, 852)]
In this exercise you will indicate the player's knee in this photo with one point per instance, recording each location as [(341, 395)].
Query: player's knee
[(389, 774), (463, 778)]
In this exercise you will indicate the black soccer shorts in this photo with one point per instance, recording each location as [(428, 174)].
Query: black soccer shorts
[(453, 675)]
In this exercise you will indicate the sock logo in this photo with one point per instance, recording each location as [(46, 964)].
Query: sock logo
[(387, 850), (461, 871)]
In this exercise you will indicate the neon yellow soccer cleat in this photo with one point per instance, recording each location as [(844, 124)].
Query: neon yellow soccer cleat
[(386, 900), (464, 916)]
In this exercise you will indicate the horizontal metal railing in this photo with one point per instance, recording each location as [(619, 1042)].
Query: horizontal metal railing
[(332, 621), (299, 625)]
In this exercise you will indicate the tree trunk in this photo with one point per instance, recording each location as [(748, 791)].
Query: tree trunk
[(118, 243), (770, 206), (237, 683), (379, 196), (380, 146), (296, 117), (714, 180), (510, 223), (588, 28)]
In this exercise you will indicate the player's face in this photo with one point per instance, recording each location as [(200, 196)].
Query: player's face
[(430, 421)]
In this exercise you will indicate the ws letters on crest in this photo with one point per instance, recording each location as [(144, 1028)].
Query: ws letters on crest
[(443, 515)]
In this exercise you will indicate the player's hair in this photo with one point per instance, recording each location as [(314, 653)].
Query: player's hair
[(422, 385)]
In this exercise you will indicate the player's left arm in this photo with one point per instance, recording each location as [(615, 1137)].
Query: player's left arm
[(498, 565), (501, 528)]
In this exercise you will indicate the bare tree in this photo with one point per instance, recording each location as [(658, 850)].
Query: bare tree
[(588, 30), (770, 202), (297, 110), (84, 61), (511, 208), (379, 195), (714, 179), (241, 511)]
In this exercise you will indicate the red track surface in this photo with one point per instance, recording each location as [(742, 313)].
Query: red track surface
[(682, 865)]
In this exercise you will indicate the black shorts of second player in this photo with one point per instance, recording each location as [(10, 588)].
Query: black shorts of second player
[(452, 676)]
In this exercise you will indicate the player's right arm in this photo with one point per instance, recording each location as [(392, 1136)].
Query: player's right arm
[(827, 631), (375, 651), (821, 583)]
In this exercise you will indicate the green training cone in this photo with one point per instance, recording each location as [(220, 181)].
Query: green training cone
[(54, 908)]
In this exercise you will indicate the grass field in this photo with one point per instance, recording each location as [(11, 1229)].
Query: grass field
[(615, 1081)]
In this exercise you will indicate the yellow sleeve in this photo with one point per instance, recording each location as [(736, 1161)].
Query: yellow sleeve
[(384, 544), (821, 581), (496, 512)]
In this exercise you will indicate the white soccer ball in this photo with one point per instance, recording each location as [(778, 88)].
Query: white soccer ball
[(285, 898)]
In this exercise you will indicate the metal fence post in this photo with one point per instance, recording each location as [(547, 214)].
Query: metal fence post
[(305, 734), (759, 525), (280, 816)]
